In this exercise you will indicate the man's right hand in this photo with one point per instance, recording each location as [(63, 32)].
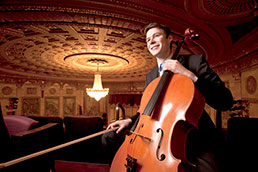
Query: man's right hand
[(122, 124)]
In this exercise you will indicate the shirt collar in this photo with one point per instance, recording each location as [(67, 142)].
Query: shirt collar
[(169, 57)]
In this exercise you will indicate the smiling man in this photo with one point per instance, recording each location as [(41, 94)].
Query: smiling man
[(159, 45), (205, 144)]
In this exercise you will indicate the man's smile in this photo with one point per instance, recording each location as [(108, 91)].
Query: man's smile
[(154, 47)]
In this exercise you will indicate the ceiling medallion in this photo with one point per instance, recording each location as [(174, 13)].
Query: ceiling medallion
[(89, 61)]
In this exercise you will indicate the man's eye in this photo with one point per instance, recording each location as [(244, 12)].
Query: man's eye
[(156, 35)]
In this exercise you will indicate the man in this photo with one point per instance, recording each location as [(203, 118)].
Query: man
[(204, 146)]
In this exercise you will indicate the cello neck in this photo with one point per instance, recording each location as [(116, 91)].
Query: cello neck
[(175, 55), (155, 96)]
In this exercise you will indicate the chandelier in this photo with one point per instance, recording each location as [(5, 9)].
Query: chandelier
[(97, 91)]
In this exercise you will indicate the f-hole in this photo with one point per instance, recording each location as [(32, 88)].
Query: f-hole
[(162, 156)]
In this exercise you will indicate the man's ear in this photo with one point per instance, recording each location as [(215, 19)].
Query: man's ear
[(170, 37)]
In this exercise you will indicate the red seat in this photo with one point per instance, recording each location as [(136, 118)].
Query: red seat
[(68, 166), (17, 124), (21, 136)]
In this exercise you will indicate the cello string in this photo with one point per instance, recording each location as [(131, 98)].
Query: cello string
[(142, 136), (131, 148)]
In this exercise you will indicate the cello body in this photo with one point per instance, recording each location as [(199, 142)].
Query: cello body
[(158, 142)]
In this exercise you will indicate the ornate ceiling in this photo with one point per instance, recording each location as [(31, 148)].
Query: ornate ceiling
[(59, 40)]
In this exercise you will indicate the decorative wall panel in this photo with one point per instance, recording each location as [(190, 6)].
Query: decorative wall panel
[(249, 84), (52, 106), (7, 90), (30, 106), (69, 105)]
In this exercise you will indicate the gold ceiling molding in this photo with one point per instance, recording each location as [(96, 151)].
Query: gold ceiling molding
[(245, 62), (219, 11), (228, 7), (36, 36), (42, 49), (80, 10)]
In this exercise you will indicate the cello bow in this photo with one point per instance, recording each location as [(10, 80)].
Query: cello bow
[(33, 155)]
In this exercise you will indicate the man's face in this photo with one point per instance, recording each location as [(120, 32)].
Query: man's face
[(157, 43)]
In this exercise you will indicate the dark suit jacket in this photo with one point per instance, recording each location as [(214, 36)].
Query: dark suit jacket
[(210, 85)]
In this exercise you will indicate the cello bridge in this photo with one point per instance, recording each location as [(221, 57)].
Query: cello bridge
[(131, 164)]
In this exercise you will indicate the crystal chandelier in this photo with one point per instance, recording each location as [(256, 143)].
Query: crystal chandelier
[(97, 91)]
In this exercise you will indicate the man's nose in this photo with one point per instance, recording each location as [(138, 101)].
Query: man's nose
[(152, 40)]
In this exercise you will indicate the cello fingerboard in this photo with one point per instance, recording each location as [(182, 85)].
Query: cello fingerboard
[(167, 75)]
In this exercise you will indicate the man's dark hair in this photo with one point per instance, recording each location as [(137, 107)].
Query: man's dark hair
[(161, 26)]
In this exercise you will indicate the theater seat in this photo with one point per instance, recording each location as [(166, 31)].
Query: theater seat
[(17, 124), (79, 126), (5, 139), (86, 151), (47, 119), (21, 136), (69, 166), (242, 140)]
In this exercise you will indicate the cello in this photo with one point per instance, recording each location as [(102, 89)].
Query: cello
[(170, 109)]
